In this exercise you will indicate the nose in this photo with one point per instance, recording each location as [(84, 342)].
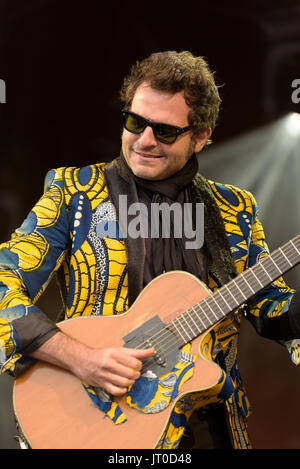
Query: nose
[(147, 138)]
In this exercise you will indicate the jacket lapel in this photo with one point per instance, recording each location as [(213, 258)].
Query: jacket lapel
[(221, 262), (135, 248)]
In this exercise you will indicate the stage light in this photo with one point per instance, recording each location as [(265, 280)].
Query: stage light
[(293, 124)]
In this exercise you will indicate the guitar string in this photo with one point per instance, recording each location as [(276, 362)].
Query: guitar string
[(170, 348), (188, 313), (189, 338), (227, 296), (192, 312)]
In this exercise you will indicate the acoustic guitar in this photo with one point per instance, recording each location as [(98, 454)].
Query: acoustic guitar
[(52, 406)]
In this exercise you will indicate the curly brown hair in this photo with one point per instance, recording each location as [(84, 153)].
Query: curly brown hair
[(173, 71)]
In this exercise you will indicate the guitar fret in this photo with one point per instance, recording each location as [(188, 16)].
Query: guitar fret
[(295, 247), (219, 294), (201, 316), (183, 317), (256, 277), (182, 337), (285, 257), (204, 317), (190, 315), (261, 265), (214, 314), (244, 287), (224, 300), (236, 285), (270, 258), (226, 287), (244, 278), (203, 310)]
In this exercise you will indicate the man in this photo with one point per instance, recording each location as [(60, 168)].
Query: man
[(171, 105)]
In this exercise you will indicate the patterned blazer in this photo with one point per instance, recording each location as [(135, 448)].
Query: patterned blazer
[(62, 235)]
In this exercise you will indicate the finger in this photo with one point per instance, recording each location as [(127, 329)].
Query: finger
[(133, 358), (115, 390), (144, 353), (119, 381), (115, 358), (140, 353), (125, 371)]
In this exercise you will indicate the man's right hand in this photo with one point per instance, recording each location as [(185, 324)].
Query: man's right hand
[(112, 369)]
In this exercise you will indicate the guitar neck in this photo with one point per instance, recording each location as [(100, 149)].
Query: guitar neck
[(231, 296)]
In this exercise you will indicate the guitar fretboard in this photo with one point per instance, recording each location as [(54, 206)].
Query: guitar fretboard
[(231, 296)]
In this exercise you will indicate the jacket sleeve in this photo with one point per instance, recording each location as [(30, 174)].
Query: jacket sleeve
[(273, 310), (27, 263)]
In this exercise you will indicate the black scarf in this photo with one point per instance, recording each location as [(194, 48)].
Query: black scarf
[(170, 187), (164, 254), (215, 254)]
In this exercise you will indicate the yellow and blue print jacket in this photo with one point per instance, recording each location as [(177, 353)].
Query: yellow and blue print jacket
[(61, 235)]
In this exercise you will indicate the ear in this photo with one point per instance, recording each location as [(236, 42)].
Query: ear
[(201, 139)]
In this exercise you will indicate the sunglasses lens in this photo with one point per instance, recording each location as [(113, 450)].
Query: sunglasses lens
[(165, 133), (134, 123)]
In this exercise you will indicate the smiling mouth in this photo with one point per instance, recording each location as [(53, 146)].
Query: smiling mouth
[(147, 155)]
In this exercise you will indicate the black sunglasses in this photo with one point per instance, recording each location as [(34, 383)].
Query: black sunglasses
[(165, 133)]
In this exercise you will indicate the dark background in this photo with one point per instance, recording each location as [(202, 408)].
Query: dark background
[(63, 64)]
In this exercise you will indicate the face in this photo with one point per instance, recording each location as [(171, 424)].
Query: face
[(146, 156)]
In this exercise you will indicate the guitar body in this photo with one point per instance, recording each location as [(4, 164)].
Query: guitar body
[(54, 410)]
